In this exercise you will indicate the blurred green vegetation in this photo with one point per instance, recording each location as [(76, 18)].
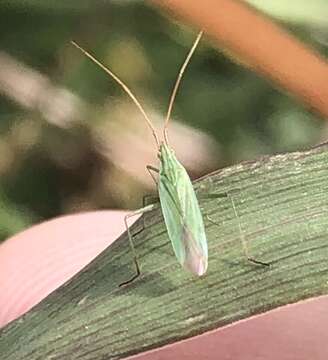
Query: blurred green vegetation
[(55, 103)]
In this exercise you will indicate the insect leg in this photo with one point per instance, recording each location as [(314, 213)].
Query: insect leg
[(149, 199), (243, 240), (151, 168), (145, 203), (134, 253), (210, 196), (144, 209), (242, 235)]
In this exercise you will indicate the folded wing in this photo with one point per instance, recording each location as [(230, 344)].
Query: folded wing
[(183, 217)]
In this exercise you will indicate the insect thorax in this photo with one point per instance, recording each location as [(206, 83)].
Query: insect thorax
[(170, 166)]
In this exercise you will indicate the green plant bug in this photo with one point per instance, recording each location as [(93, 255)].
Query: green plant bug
[(182, 215), (179, 204)]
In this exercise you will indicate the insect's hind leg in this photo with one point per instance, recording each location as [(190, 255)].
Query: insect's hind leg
[(242, 235), (134, 253), (243, 239)]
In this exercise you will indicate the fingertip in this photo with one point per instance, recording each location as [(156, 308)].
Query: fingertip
[(38, 260)]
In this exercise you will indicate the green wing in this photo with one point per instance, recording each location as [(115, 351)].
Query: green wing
[(182, 214)]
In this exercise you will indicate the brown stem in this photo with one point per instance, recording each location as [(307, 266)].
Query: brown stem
[(267, 48)]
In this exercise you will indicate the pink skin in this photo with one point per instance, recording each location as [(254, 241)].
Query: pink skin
[(35, 262)]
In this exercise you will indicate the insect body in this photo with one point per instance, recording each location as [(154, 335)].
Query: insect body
[(178, 200), (181, 213)]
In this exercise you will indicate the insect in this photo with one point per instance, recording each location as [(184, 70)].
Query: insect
[(179, 204), (182, 215)]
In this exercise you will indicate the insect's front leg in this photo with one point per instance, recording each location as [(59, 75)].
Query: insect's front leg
[(151, 169)]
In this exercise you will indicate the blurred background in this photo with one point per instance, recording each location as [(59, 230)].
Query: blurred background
[(70, 138)]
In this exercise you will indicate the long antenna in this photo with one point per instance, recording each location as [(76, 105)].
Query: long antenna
[(177, 83), (124, 86)]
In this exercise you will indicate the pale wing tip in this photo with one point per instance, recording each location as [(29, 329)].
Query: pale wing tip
[(202, 268), (197, 265)]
